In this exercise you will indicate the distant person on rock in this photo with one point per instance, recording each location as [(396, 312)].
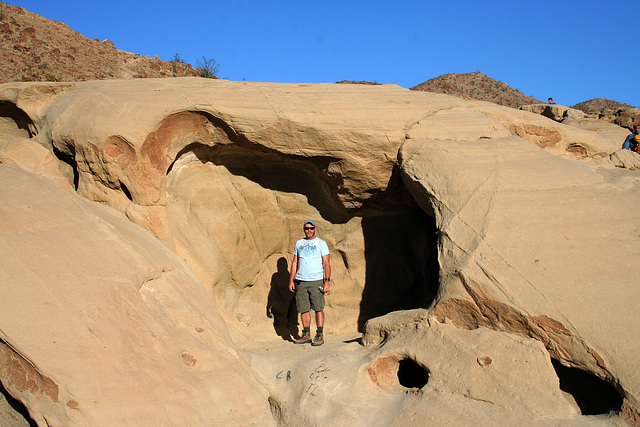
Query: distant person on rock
[(310, 280), (631, 143), (550, 101)]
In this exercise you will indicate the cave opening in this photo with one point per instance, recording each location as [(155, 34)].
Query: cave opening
[(593, 395), (401, 270), (411, 374), (14, 408), (69, 160), (126, 191)]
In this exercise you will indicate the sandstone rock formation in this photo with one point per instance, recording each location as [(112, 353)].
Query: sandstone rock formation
[(607, 110), (524, 241), (553, 111), (624, 158), (455, 377), (606, 128), (99, 322), (501, 226)]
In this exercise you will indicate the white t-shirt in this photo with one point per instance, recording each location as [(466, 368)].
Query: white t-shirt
[(310, 253)]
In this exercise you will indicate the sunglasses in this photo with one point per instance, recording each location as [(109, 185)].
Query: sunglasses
[(309, 228)]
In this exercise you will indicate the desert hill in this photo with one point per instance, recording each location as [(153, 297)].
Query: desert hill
[(477, 86), (34, 48), (601, 107)]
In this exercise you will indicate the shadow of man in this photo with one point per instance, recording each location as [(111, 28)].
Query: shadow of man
[(281, 304)]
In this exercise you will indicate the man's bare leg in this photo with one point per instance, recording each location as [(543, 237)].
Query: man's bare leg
[(306, 319), (319, 318)]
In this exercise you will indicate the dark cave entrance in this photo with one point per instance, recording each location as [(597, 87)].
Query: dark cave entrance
[(593, 395), (401, 252), (411, 374)]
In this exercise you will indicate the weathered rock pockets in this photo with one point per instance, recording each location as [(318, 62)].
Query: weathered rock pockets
[(480, 213)]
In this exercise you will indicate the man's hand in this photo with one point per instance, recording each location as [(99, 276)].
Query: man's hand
[(326, 287), (292, 286)]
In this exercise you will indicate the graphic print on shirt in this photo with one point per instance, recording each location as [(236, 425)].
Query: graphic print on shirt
[(308, 249)]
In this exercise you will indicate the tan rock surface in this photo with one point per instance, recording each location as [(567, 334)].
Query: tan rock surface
[(454, 377), (100, 324), (292, 138), (553, 111), (624, 158), (536, 245), (23, 154), (605, 127), (522, 238)]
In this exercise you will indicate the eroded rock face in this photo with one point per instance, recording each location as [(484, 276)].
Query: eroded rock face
[(99, 321), (523, 241), (613, 130), (453, 377), (476, 211)]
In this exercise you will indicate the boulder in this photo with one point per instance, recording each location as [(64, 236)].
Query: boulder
[(627, 159), (627, 118), (553, 111)]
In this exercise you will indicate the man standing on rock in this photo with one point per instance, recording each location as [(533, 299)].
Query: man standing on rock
[(310, 278)]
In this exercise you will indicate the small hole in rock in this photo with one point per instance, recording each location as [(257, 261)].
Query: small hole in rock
[(593, 395), (126, 191), (412, 375)]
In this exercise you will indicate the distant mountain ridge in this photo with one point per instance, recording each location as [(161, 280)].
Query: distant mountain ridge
[(480, 87), (601, 106), (477, 86)]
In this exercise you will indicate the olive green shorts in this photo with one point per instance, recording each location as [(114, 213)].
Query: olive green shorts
[(309, 296)]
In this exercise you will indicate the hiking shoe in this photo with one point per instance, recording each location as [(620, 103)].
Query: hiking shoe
[(318, 339), (305, 338)]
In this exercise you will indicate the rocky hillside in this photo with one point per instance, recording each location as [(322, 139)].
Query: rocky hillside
[(33, 48), (601, 106), (477, 86)]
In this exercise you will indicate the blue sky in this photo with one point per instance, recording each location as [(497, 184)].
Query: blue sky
[(570, 50)]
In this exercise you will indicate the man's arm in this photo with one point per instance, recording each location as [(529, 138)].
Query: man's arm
[(327, 273), (294, 271)]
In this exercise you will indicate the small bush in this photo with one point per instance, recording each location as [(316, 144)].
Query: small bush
[(177, 65), (2, 10), (208, 67)]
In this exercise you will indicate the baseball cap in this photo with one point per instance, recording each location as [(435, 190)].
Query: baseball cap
[(309, 221)]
